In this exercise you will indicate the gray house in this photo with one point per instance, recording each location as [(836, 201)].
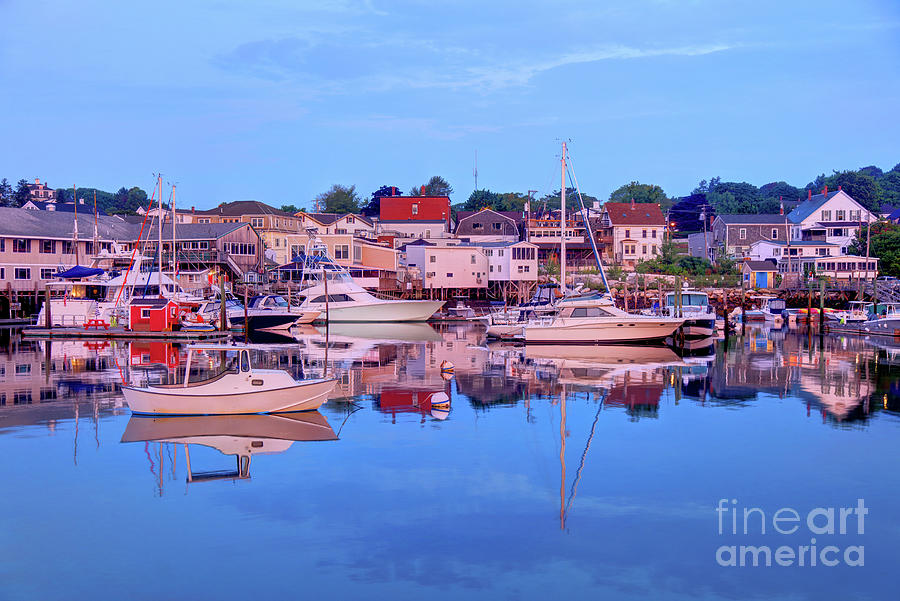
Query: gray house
[(733, 234)]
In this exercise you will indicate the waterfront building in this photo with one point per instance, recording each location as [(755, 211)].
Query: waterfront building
[(631, 232), (371, 264), (832, 217), (488, 225), (732, 235), (544, 231), (447, 267), (415, 216), (846, 267)]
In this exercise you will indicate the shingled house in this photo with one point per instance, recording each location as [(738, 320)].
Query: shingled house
[(488, 225)]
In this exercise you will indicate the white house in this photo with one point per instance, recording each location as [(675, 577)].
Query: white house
[(832, 217), (797, 257), (510, 261), (442, 267)]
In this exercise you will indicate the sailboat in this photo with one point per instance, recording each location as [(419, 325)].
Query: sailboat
[(594, 318)]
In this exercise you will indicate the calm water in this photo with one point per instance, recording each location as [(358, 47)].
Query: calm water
[(585, 472)]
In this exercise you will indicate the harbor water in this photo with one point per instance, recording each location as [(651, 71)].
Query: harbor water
[(552, 472)]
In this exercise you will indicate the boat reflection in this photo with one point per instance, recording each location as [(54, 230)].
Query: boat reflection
[(241, 436)]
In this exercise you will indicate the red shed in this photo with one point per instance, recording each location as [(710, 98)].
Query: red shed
[(153, 314)]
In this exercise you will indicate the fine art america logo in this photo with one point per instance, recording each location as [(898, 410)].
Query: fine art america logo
[(824, 535)]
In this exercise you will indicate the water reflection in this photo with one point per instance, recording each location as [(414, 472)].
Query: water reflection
[(241, 436)]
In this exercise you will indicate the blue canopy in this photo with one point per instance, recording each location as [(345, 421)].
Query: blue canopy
[(78, 272)]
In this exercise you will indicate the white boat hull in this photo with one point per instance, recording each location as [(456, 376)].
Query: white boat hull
[(406, 310), (301, 396), (592, 331)]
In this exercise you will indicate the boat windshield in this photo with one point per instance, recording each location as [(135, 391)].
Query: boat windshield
[(688, 299), (209, 365)]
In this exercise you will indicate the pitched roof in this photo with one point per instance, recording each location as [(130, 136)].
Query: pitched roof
[(329, 218), (244, 207), (28, 223), (794, 243), (516, 216), (641, 213), (63, 207), (466, 224), (761, 219), (760, 265), (810, 206), (192, 231)]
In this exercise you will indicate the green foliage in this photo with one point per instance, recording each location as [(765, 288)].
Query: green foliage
[(615, 272), (289, 209), (572, 203), (6, 193), (639, 192), (340, 199), (123, 202), (436, 186), (884, 244), (863, 188), (21, 195)]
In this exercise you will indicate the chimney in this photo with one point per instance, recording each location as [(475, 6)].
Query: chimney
[(809, 195), (632, 204), (840, 187), (825, 190), (37, 180), (193, 210), (422, 191)]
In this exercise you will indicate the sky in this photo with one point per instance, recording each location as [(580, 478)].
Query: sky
[(278, 100)]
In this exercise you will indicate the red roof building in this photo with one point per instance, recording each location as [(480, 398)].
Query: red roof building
[(408, 215)]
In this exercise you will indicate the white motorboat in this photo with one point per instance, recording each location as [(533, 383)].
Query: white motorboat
[(858, 312), (339, 299), (700, 319), (235, 388), (260, 318), (886, 321), (591, 322), (275, 303)]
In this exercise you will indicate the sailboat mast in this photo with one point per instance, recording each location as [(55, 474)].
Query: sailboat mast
[(562, 219), (174, 255), (159, 223), (75, 198)]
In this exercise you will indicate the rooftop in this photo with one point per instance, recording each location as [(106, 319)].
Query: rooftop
[(244, 207), (641, 213), (759, 219), (761, 265), (810, 206)]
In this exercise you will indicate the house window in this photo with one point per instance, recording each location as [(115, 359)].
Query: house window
[(628, 233), (500, 253), (357, 254), (742, 233), (477, 226), (68, 247), (48, 246), (644, 234), (520, 269), (644, 249), (2, 273), (527, 268), (23, 273), (497, 226), (21, 245), (350, 220), (145, 313), (654, 249), (47, 273), (653, 233), (472, 257), (449, 275), (415, 209), (256, 221), (499, 268), (855, 215), (340, 231), (2, 244), (826, 215), (774, 233), (342, 251), (839, 215), (23, 368), (492, 269), (432, 259), (776, 251)]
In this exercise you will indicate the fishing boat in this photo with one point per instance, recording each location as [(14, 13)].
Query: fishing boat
[(333, 293), (856, 313), (236, 387), (886, 321), (591, 322), (693, 305)]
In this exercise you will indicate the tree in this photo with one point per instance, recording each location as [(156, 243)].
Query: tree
[(572, 203), (340, 199), (22, 193), (480, 199), (889, 188), (373, 207), (289, 209), (862, 188), (779, 190), (883, 244), (639, 192), (436, 186), (6, 193)]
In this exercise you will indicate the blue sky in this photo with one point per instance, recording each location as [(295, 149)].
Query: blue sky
[(277, 100)]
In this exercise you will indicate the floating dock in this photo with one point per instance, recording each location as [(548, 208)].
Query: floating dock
[(82, 332)]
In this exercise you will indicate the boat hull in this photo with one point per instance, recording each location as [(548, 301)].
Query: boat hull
[(303, 396), (605, 332), (694, 329), (384, 311), (885, 326), (275, 321)]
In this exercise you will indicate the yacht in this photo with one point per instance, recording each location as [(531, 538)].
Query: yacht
[(338, 298), (587, 321), (260, 318)]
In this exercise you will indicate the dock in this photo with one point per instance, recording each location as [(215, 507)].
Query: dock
[(82, 332)]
